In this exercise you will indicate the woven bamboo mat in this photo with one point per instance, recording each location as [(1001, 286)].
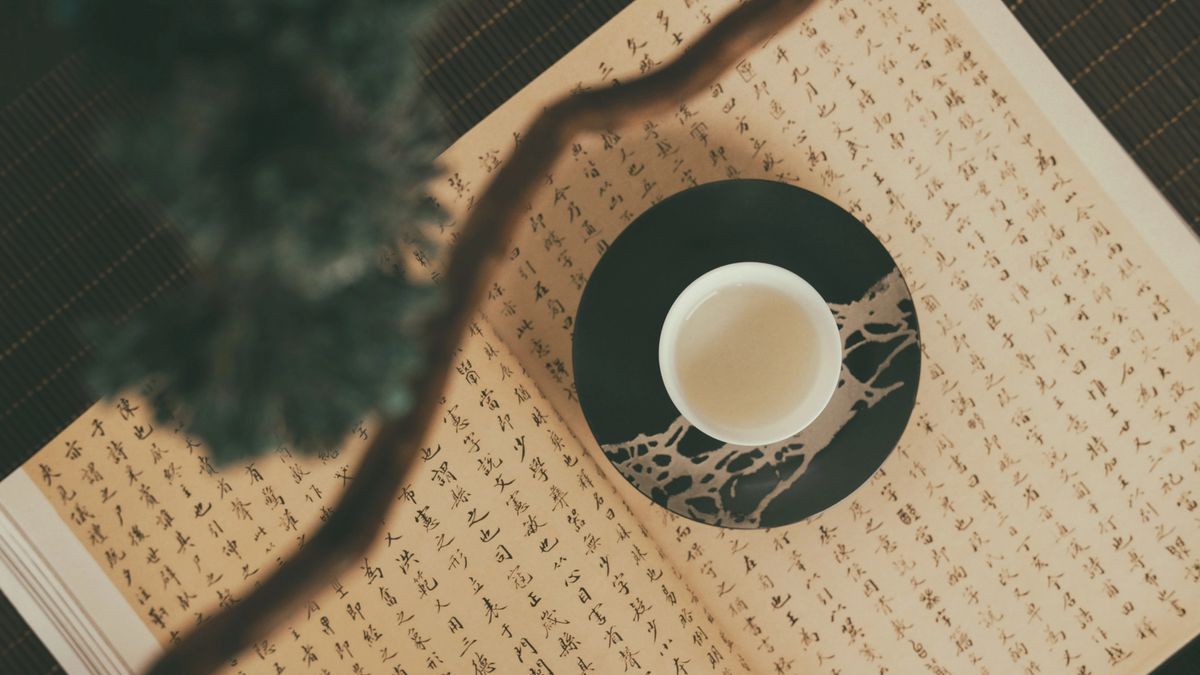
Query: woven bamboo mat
[(71, 243)]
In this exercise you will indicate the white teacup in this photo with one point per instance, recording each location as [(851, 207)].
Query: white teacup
[(750, 353)]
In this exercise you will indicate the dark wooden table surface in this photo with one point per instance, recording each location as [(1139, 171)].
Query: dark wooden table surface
[(1135, 62)]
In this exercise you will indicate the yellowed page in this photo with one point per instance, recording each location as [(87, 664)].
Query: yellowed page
[(1039, 515), (508, 552)]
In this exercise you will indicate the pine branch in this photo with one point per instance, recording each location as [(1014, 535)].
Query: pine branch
[(288, 142), (357, 518)]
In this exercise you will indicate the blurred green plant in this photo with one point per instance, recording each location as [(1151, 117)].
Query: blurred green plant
[(289, 143)]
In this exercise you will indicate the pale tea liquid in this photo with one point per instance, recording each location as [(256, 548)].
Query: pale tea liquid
[(745, 356)]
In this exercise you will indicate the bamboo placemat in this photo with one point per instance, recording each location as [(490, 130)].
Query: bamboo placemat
[(1135, 63), (71, 243)]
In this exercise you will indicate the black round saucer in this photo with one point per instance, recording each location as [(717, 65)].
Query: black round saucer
[(616, 353)]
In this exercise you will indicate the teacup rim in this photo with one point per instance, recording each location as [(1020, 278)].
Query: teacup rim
[(825, 382)]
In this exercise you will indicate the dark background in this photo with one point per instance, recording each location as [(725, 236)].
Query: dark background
[(1135, 62)]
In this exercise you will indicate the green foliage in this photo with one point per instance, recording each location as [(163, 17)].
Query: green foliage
[(289, 143)]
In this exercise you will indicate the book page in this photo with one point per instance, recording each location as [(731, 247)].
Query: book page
[(1039, 514), (507, 552)]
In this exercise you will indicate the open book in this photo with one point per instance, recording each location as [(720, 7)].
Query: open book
[(1039, 515)]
